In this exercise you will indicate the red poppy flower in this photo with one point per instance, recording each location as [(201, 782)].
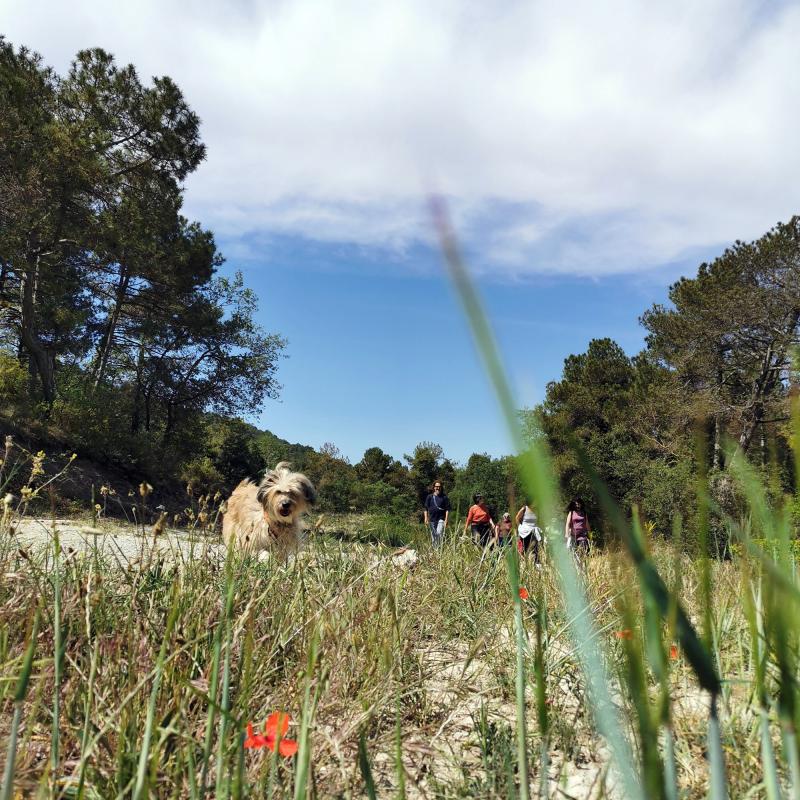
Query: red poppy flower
[(254, 740), (523, 593), (673, 651), (277, 724), (626, 634), (275, 720)]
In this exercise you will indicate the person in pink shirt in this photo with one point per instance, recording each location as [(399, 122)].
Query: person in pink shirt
[(577, 528)]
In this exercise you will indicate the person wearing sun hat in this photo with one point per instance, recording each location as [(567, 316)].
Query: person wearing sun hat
[(503, 530)]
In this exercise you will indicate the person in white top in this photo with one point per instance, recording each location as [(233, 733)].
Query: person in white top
[(528, 531)]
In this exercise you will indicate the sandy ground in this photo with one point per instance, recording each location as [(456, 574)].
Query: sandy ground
[(116, 540)]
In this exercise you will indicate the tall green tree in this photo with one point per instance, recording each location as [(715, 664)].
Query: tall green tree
[(75, 153), (729, 334), (425, 465)]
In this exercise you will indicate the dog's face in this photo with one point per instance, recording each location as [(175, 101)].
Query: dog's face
[(285, 495)]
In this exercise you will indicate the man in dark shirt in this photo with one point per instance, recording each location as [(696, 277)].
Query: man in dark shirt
[(437, 510)]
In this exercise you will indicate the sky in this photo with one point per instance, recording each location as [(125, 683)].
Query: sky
[(590, 154)]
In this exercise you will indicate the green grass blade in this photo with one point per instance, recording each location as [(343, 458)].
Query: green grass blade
[(696, 653), (20, 694), (512, 563), (718, 783), (670, 766), (140, 788), (366, 770), (398, 753), (304, 744), (230, 584), (534, 465), (58, 658), (771, 781)]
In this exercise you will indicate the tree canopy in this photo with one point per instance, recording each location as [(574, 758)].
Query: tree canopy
[(110, 299)]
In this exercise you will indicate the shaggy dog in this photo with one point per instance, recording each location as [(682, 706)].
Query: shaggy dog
[(267, 516)]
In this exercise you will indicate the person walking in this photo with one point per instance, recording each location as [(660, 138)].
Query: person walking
[(504, 530), (437, 511), (528, 532), (577, 529), (479, 519)]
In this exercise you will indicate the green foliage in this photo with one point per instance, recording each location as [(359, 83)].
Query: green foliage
[(126, 334), (13, 380), (716, 367), (496, 478)]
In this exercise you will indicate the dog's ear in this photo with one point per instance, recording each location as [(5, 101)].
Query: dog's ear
[(270, 479), (309, 492)]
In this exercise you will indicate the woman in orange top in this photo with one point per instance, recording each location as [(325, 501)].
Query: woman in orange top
[(480, 519)]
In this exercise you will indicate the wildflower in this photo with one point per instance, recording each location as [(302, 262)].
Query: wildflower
[(37, 468), (276, 725), (189, 489), (8, 500), (625, 634), (254, 740), (673, 651), (145, 489), (523, 593), (98, 507), (104, 490)]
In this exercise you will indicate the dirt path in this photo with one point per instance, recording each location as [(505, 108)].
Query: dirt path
[(115, 541)]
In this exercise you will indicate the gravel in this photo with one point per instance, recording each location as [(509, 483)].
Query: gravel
[(114, 541)]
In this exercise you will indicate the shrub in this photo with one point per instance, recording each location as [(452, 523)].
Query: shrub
[(13, 381)]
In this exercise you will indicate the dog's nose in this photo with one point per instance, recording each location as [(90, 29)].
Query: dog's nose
[(286, 503)]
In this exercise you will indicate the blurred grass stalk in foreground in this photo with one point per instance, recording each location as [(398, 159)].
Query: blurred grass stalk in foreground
[(653, 778)]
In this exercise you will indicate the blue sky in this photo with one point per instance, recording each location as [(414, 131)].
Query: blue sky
[(379, 352), (590, 153)]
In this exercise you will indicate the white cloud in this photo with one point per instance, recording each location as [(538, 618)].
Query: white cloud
[(581, 137)]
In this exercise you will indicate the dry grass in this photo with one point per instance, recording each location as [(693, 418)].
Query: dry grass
[(430, 652)]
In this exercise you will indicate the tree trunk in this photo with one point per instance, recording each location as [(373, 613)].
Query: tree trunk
[(106, 343), (42, 360), (136, 416), (750, 425)]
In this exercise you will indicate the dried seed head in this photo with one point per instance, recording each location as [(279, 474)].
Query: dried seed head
[(37, 468)]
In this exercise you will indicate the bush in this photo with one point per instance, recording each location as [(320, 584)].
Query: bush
[(13, 382), (202, 475)]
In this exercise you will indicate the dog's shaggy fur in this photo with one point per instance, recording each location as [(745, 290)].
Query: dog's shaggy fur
[(267, 516)]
